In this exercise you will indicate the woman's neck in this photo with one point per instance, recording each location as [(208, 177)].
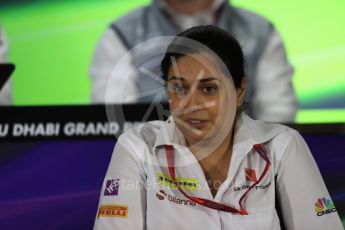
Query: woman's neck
[(204, 150), (216, 158), (215, 164)]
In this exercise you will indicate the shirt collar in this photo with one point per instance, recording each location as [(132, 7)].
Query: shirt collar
[(184, 21), (213, 7), (169, 134), (249, 132)]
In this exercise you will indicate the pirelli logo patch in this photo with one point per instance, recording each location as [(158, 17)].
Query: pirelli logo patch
[(190, 184), (113, 211)]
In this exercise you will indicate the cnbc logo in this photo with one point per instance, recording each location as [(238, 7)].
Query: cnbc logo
[(324, 206)]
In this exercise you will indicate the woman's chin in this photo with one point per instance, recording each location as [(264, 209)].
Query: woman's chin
[(195, 136)]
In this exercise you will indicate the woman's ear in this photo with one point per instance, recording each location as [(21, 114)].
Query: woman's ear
[(241, 92)]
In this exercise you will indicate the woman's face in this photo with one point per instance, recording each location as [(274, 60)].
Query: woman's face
[(202, 100)]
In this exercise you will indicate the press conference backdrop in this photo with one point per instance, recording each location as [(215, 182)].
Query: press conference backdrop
[(52, 42), (53, 161)]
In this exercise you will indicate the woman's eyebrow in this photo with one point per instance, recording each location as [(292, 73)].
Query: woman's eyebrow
[(203, 80), (208, 79), (176, 78)]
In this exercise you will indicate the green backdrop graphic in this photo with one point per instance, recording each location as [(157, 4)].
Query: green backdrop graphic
[(52, 43)]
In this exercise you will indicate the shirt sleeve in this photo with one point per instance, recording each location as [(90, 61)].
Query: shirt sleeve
[(6, 91), (113, 76), (274, 96), (301, 192), (122, 203)]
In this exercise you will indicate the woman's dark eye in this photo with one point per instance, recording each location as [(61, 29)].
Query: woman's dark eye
[(179, 89), (209, 89)]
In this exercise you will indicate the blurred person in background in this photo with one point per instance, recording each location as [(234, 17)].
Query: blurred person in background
[(5, 92), (269, 74)]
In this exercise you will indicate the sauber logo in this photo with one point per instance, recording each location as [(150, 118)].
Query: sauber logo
[(256, 187), (250, 175), (324, 206), (161, 195)]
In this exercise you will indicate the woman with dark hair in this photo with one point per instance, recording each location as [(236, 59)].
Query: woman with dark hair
[(209, 165)]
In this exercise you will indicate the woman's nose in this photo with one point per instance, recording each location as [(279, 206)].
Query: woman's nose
[(193, 102)]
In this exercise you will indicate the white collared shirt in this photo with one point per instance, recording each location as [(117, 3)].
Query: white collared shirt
[(185, 21), (138, 193)]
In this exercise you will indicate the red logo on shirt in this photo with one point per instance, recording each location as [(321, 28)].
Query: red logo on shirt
[(250, 175), (161, 195)]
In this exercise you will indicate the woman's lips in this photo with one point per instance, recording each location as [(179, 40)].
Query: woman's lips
[(196, 123)]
